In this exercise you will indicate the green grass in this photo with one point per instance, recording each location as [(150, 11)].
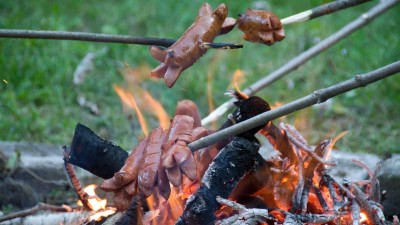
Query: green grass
[(38, 102)]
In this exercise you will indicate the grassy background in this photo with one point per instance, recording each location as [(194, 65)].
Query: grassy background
[(38, 100)]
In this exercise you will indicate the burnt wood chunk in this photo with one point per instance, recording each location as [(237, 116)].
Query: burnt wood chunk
[(230, 165), (94, 154)]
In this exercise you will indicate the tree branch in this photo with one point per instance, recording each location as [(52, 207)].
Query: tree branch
[(318, 96), (304, 57)]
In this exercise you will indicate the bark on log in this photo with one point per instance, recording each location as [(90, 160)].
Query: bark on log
[(231, 164), (70, 218), (131, 216), (94, 154)]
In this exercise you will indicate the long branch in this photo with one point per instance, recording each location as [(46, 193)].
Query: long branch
[(83, 36), (318, 96), (304, 57)]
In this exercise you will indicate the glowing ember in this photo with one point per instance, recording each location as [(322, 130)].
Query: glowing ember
[(96, 204), (103, 213), (363, 218)]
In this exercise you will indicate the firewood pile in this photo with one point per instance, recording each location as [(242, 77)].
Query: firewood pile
[(164, 181), (239, 186)]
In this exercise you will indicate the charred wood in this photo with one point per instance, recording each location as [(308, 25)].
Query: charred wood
[(231, 164), (370, 208), (321, 198), (94, 154), (132, 216)]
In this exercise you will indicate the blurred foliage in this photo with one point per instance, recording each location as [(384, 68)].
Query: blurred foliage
[(38, 100)]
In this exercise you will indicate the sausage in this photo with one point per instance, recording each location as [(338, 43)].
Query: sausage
[(176, 156), (129, 170), (187, 50), (261, 26), (147, 176)]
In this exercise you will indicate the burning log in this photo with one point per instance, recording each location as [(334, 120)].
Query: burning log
[(94, 154), (231, 164), (247, 216), (239, 157)]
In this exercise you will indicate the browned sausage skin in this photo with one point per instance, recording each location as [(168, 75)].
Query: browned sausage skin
[(261, 26), (187, 49)]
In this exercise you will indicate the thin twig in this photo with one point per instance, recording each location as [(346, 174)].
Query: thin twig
[(318, 96), (304, 57), (321, 198), (363, 165), (328, 182), (76, 184), (375, 190), (355, 212), (244, 216), (367, 206), (322, 10), (38, 207)]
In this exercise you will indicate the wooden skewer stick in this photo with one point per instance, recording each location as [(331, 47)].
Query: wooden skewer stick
[(318, 96), (321, 11)]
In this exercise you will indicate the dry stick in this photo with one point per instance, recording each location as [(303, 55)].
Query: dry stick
[(82, 195), (355, 212), (375, 191), (328, 182), (321, 198), (365, 204), (39, 207), (301, 59), (245, 215), (318, 96)]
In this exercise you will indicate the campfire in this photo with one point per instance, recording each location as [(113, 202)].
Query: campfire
[(233, 183), (166, 180)]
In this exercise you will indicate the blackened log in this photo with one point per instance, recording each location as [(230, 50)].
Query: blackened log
[(230, 165), (94, 154), (133, 215)]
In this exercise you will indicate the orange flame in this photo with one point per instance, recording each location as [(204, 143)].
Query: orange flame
[(237, 80), (98, 215), (96, 204), (334, 140), (157, 108), (140, 98), (176, 203), (128, 99), (363, 217)]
